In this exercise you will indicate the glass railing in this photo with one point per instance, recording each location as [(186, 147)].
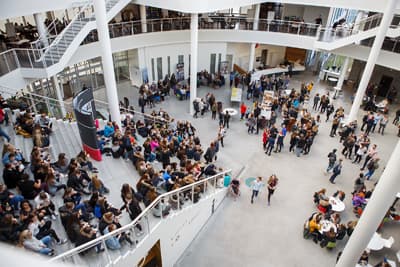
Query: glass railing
[(331, 34), (164, 207)]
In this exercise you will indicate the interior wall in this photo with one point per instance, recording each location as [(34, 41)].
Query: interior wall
[(308, 13), (241, 54), (174, 50)]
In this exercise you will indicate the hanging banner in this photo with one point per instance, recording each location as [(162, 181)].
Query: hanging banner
[(85, 114)]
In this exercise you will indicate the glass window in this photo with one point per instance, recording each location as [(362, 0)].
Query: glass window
[(159, 68), (212, 63), (153, 75), (180, 59), (169, 65)]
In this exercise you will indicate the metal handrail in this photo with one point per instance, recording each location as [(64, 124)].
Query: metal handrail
[(142, 215)]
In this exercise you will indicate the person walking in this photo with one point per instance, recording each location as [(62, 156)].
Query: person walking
[(272, 183), (243, 109), (221, 135), (196, 107), (256, 187), (372, 152), (336, 171), (271, 144), (332, 160), (335, 125), (371, 167)]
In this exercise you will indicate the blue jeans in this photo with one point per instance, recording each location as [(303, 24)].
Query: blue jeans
[(369, 174), (15, 200), (3, 133), (46, 240)]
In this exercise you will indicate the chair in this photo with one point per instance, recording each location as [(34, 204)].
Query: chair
[(389, 242)]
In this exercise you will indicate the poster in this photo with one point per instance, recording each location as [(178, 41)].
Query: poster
[(85, 114)]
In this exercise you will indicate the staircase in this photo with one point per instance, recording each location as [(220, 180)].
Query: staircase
[(55, 56), (330, 39)]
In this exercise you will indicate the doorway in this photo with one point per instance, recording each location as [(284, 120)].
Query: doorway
[(264, 55), (384, 85), (153, 258)]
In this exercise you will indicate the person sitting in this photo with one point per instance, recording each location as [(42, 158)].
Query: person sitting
[(42, 246), (314, 226), (108, 130), (44, 123), (340, 195), (234, 189), (11, 176), (61, 165), (85, 235), (329, 239), (96, 185), (28, 188), (359, 203)]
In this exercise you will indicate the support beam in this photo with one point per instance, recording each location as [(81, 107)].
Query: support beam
[(41, 28), (381, 200), (107, 60), (345, 66), (253, 45), (194, 34), (372, 58), (59, 94), (143, 18)]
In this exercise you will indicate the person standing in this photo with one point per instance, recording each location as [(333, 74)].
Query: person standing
[(329, 110), (256, 187), (300, 145), (227, 117), (243, 109), (316, 101), (214, 111), (271, 144), (335, 125), (396, 118), (336, 171), (382, 124), (272, 183), (371, 166), (279, 142), (332, 160)]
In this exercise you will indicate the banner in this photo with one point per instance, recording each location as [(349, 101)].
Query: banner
[(85, 114)]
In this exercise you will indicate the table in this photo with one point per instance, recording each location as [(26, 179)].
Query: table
[(236, 94), (376, 242), (332, 80), (337, 91), (231, 111), (337, 204), (330, 73), (326, 225), (257, 74)]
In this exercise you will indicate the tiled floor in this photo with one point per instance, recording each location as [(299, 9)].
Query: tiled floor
[(241, 234)]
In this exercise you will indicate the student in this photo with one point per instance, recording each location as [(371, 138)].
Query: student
[(256, 187), (336, 171), (272, 183)]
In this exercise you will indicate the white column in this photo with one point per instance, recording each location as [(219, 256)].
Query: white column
[(193, 58), (253, 45), (107, 60), (143, 18), (41, 28), (373, 56), (329, 18), (382, 198), (345, 66), (59, 95)]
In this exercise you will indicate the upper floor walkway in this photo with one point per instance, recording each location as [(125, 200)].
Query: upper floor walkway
[(20, 66)]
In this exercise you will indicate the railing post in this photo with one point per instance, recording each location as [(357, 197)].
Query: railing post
[(179, 200), (16, 58), (103, 242), (5, 59), (192, 194), (298, 28), (30, 60)]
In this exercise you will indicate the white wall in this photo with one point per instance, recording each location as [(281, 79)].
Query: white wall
[(308, 13), (241, 54), (174, 50), (176, 232)]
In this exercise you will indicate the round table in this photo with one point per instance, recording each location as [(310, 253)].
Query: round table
[(376, 242), (337, 204), (231, 111), (332, 80), (326, 225)]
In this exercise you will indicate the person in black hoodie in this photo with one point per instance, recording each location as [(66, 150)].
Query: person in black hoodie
[(11, 176)]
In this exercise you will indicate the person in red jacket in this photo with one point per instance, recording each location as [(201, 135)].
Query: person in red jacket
[(243, 109)]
